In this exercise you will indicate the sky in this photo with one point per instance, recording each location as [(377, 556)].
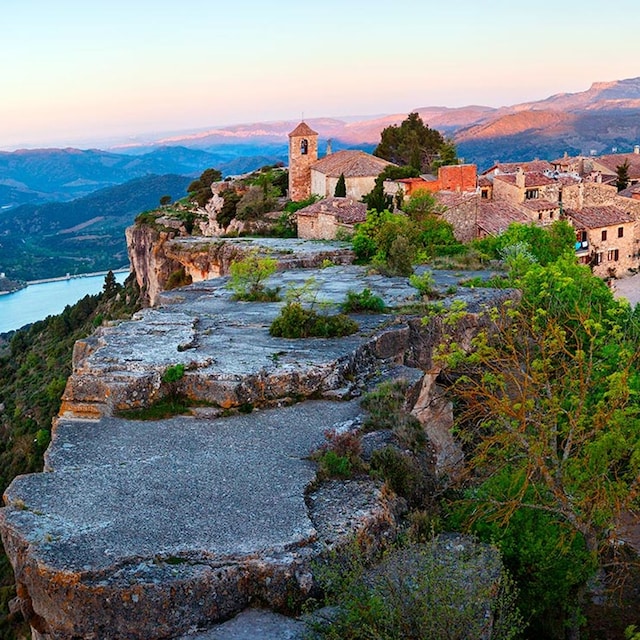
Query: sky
[(93, 72)]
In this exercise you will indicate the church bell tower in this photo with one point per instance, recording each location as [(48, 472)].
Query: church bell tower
[(303, 152)]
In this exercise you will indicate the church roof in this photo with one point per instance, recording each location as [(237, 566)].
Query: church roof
[(303, 129), (353, 164)]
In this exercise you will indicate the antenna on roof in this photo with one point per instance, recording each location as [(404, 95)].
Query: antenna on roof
[(303, 116)]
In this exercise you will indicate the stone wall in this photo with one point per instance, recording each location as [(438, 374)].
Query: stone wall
[(464, 218), (325, 186)]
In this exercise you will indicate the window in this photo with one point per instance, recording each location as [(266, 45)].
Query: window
[(620, 232), (304, 147), (597, 258), (484, 194), (531, 194), (604, 235), (613, 255)]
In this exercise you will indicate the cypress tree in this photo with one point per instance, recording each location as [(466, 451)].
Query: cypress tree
[(341, 187)]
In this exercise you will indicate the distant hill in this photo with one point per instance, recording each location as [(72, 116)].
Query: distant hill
[(59, 175), (82, 236)]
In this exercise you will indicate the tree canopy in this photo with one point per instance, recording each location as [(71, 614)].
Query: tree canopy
[(549, 407), (414, 144)]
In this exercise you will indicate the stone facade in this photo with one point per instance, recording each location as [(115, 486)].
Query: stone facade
[(359, 169), (605, 239), (303, 153), (324, 220)]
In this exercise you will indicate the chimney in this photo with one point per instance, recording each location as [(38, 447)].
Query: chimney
[(329, 150), (636, 149), (520, 178)]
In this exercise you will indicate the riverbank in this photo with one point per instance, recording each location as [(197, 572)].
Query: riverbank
[(78, 275), (40, 299)]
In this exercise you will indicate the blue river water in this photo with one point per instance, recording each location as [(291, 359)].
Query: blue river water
[(37, 301)]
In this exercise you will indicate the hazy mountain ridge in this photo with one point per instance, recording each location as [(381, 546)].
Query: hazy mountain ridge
[(59, 175), (85, 235)]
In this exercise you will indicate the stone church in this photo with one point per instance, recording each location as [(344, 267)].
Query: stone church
[(310, 176)]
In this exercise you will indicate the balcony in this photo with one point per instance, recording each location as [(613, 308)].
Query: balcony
[(582, 247)]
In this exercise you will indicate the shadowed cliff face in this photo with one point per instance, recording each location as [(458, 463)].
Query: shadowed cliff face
[(154, 255), (145, 530)]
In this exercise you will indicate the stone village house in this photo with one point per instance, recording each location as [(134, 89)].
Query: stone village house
[(607, 224)]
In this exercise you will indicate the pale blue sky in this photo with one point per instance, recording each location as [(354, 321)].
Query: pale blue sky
[(76, 72)]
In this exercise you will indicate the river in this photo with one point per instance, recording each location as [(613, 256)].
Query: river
[(39, 300)]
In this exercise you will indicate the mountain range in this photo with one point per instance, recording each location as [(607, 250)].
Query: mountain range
[(604, 118)]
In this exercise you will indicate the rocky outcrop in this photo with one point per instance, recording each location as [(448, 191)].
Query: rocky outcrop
[(155, 253), (153, 529)]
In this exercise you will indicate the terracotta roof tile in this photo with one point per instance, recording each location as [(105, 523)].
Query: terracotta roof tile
[(595, 217), (630, 191), (451, 199), (345, 210), (512, 167), (531, 179), (540, 205), (495, 217), (353, 164), (614, 160), (303, 129)]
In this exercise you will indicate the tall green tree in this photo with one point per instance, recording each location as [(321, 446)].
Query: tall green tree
[(341, 187), (414, 144), (622, 175)]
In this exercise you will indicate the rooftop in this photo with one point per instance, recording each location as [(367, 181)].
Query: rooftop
[(345, 210), (495, 217), (303, 129), (353, 164), (595, 217), (531, 179), (512, 167)]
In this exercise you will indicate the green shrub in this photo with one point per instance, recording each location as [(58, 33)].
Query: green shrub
[(423, 283), (331, 465), (363, 301), (173, 373), (294, 321), (385, 404), (340, 456), (248, 277), (416, 592)]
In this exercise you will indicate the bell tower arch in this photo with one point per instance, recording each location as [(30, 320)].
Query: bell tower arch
[(303, 152)]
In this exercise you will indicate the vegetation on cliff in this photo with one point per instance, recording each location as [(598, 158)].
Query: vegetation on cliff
[(548, 407), (34, 366)]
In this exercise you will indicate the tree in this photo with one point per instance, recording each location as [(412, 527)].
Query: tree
[(110, 287), (622, 175), (341, 187), (200, 189), (377, 199), (549, 392), (165, 200), (414, 144)]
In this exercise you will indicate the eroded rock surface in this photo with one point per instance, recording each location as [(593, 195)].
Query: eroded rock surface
[(146, 529), (149, 530)]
